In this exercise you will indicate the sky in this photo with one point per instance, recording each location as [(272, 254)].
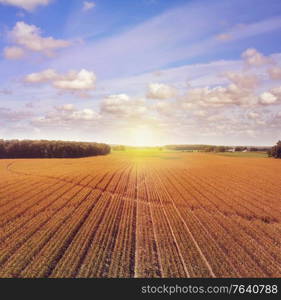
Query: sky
[(141, 72)]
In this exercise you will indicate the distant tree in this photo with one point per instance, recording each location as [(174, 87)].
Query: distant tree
[(2, 148), (209, 149), (269, 153), (220, 149), (118, 148), (275, 150), (187, 147), (238, 149), (50, 149)]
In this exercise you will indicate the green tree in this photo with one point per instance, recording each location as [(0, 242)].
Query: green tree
[(50, 149), (275, 150)]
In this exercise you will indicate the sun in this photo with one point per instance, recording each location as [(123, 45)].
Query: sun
[(143, 136)]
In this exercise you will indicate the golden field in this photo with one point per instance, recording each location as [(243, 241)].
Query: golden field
[(141, 214)]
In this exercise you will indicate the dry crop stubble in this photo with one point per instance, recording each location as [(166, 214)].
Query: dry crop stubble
[(133, 214)]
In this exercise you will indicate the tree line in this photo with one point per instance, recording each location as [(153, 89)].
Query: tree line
[(275, 151), (187, 147), (213, 148), (50, 149)]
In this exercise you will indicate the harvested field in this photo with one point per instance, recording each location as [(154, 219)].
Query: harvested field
[(131, 214)]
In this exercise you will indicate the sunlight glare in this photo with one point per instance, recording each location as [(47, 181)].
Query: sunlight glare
[(143, 136)]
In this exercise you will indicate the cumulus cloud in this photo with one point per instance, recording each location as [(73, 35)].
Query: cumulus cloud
[(160, 91), (25, 4), (66, 115), (274, 73), (241, 91), (44, 76), (273, 96), (242, 80), (268, 98), (85, 114), (13, 53), (253, 58), (29, 37), (88, 5), (219, 96), (73, 81), (122, 105)]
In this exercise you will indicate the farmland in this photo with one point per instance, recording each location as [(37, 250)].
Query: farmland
[(141, 214), (243, 154)]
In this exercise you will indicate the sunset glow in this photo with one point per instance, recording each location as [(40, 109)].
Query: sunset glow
[(144, 136)]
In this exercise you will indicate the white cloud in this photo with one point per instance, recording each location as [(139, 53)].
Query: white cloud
[(242, 80), (122, 105), (274, 73), (254, 58), (65, 116), (271, 97), (160, 91), (13, 53), (29, 37), (74, 81), (268, 98), (219, 96), (82, 80), (25, 4), (85, 115), (240, 92), (88, 5), (44, 76)]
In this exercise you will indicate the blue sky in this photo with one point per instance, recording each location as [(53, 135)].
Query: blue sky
[(141, 72)]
